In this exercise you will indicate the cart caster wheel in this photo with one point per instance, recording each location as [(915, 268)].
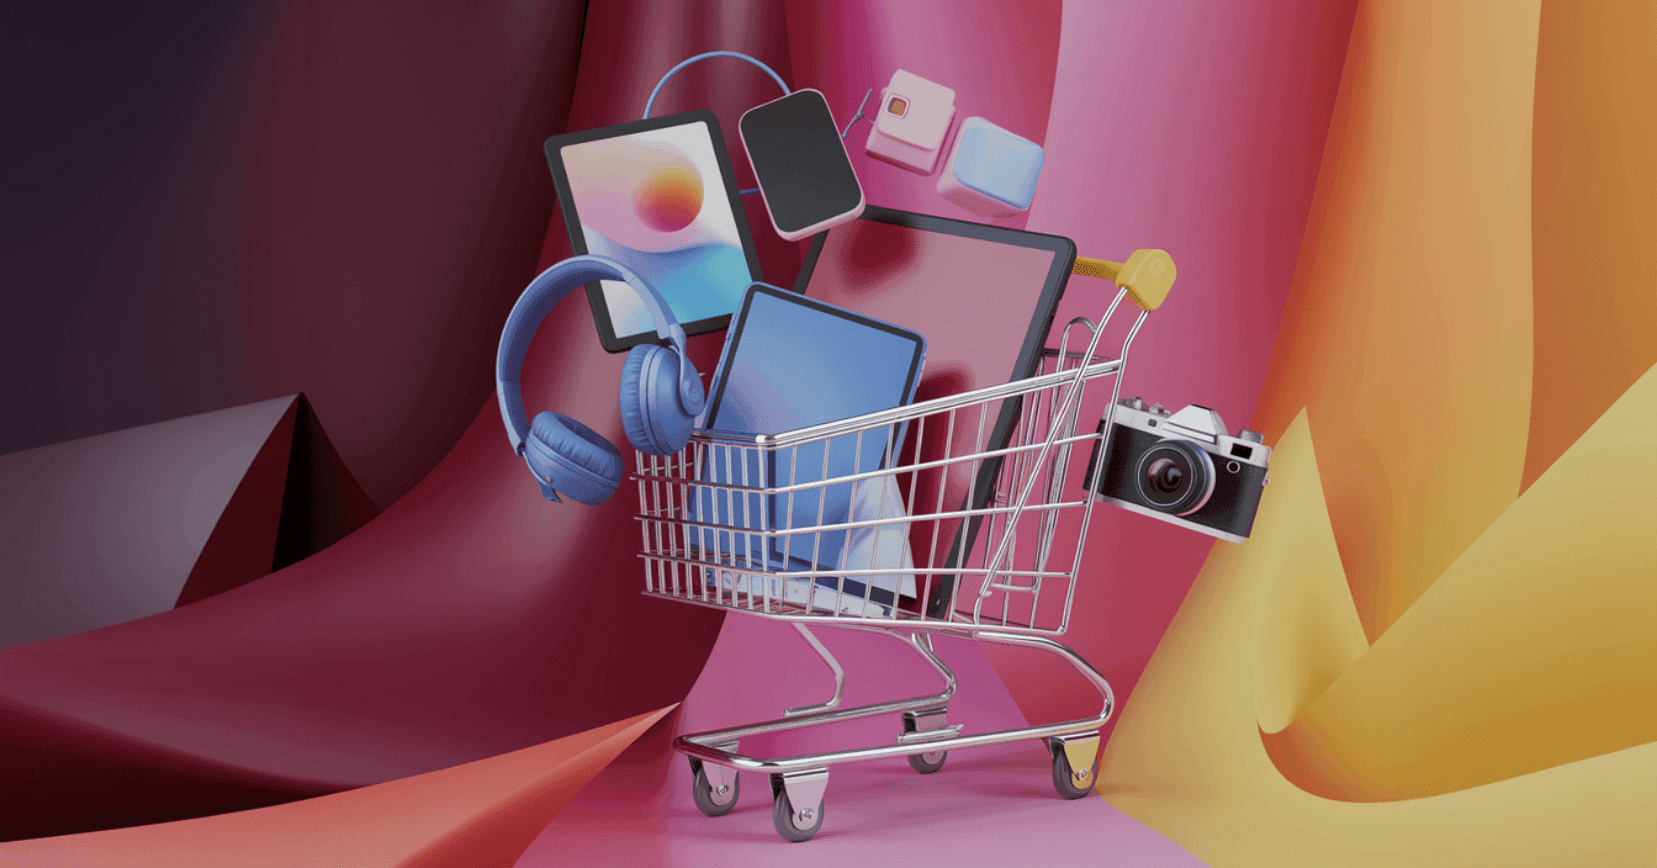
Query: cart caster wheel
[(934, 721), (782, 816), (929, 762), (708, 800), (1071, 784)]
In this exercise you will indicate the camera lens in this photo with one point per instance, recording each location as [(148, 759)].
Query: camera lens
[(1175, 476), (1164, 475)]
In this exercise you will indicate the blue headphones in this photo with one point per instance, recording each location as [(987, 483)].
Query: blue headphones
[(661, 393)]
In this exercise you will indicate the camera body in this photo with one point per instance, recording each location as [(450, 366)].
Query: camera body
[(1183, 468)]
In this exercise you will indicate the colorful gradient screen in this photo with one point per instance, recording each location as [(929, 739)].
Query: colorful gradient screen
[(656, 202)]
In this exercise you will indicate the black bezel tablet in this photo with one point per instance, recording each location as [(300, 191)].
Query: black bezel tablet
[(1027, 364), (572, 219)]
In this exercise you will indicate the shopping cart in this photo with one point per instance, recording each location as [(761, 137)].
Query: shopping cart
[(995, 535)]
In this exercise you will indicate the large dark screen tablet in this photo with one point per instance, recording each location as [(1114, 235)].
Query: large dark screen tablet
[(657, 196), (985, 296)]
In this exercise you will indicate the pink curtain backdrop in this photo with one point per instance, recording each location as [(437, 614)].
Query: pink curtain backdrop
[(471, 618)]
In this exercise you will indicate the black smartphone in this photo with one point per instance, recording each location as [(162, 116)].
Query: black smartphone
[(804, 175)]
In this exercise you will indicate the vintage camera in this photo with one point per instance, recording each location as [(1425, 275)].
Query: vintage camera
[(1182, 468)]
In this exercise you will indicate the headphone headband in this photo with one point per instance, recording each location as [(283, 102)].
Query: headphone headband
[(540, 297)]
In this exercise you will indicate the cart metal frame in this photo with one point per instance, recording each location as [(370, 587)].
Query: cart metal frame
[(710, 539)]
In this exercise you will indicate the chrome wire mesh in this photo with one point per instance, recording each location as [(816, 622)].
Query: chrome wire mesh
[(808, 525)]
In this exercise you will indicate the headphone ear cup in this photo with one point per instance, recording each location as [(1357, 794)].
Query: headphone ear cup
[(651, 414), (571, 459)]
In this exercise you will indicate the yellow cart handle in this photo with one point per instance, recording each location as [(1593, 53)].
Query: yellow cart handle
[(1147, 275)]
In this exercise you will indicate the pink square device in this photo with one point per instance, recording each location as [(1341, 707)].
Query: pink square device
[(911, 123)]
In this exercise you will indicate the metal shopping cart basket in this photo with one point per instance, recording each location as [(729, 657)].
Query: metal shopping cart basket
[(979, 524)]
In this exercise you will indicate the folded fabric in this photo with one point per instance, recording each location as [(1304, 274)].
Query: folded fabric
[(883, 546)]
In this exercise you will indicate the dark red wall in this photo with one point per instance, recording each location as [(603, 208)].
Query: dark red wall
[(206, 204)]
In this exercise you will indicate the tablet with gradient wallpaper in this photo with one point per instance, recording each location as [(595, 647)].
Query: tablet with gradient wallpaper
[(657, 196)]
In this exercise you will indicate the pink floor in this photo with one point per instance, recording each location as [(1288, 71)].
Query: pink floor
[(987, 805)]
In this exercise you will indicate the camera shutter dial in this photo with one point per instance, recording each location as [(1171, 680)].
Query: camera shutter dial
[(1175, 476)]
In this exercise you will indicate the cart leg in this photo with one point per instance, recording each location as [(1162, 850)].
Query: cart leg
[(1075, 660), (833, 665), (797, 809), (796, 718), (1074, 758)]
